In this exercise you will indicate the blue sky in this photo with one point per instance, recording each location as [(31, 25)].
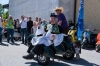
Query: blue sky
[(4, 1)]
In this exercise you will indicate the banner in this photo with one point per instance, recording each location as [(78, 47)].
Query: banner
[(80, 20)]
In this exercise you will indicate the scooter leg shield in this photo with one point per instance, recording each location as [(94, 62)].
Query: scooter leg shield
[(59, 48), (49, 52)]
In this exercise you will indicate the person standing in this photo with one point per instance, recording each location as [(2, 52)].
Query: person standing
[(44, 22), (10, 29), (4, 23), (70, 23), (23, 24), (29, 25), (0, 30), (61, 19), (35, 23), (40, 20), (18, 25)]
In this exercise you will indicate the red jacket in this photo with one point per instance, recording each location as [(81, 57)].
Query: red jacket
[(98, 39)]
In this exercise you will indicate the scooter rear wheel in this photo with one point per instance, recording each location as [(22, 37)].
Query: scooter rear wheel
[(68, 55)]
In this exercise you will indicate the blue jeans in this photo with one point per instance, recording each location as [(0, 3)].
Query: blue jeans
[(0, 34), (24, 34), (10, 32)]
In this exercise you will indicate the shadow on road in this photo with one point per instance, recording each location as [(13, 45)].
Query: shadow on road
[(53, 64), (15, 44), (64, 62), (3, 44), (90, 49)]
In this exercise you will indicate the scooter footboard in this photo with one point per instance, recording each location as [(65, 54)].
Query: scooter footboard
[(69, 46)]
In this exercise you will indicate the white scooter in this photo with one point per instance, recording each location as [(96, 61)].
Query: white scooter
[(89, 38), (17, 35)]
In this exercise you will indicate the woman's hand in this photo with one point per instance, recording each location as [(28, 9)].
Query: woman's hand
[(52, 36), (59, 23)]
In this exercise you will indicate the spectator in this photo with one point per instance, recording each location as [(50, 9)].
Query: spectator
[(15, 24), (4, 23), (23, 24), (26, 18), (0, 30), (18, 25), (10, 29), (70, 23), (29, 25), (44, 22), (35, 23), (61, 19), (40, 20)]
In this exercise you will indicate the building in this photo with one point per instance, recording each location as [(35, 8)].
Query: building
[(43, 8), (92, 13), (40, 8), (6, 6)]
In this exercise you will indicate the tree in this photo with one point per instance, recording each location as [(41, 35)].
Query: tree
[(5, 15), (1, 9)]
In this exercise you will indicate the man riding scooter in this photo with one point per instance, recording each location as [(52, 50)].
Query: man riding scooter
[(54, 33)]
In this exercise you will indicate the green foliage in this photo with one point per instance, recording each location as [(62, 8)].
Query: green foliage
[(5, 15), (1, 9)]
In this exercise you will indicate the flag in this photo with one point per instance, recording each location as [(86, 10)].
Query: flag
[(80, 20)]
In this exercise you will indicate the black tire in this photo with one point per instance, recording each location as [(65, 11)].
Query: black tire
[(83, 46), (5, 34), (68, 55), (97, 49), (16, 38), (42, 61)]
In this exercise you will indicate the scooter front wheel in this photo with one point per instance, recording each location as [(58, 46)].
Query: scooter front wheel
[(97, 49), (42, 59)]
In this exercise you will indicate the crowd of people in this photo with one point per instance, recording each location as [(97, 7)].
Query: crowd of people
[(43, 31), (26, 26), (53, 32)]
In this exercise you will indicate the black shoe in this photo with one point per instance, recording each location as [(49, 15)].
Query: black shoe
[(19, 39), (30, 56), (25, 43), (8, 41), (13, 42), (0, 42), (22, 43)]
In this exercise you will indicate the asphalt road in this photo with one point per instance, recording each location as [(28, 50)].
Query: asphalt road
[(12, 56)]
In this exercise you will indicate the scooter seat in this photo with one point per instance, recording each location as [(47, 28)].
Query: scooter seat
[(69, 44)]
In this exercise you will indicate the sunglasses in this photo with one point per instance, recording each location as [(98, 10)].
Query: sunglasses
[(57, 10)]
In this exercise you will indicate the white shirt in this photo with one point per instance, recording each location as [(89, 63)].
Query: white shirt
[(24, 24), (17, 24), (0, 22), (35, 24), (46, 39), (40, 30)]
